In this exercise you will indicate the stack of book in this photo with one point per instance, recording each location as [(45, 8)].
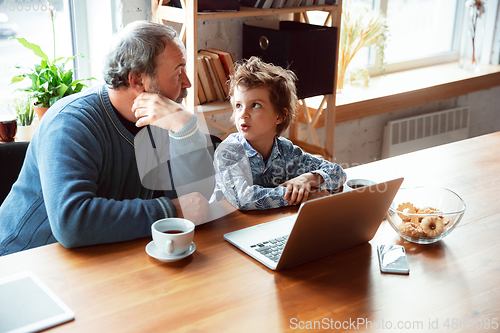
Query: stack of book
[(207, 5), (264, 4), (214, 68)]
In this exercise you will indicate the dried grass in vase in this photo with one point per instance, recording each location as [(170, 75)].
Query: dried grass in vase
[(359, 29)]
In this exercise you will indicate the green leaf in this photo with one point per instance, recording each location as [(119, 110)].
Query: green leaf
[(78, 88), (58, 59), (17, 79), (54, 70), (62, 90), (33, 47), (34, 80), (68, 78), (60, 68), (75, 83), (53, 100), (71, 58)]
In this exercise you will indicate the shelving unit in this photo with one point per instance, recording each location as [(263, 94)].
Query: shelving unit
[(188, 17)]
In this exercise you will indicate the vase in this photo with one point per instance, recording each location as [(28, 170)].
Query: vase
[(341, 77), (25, 133), (471, 42), (39, 111)]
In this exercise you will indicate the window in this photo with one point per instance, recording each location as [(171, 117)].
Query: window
[(31, 20), (421, 32)]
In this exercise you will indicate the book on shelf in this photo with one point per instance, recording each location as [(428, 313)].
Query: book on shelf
[(291, 3), (265, 4), (213, 76), (202, 98), (278, 4), (319, 2), (249, 3), (209, 5), (206, 81), (219, 72), (227, 60), (331, 2)]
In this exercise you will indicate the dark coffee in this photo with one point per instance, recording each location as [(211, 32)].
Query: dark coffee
[(8, 129), (173, 232), (357, 186)]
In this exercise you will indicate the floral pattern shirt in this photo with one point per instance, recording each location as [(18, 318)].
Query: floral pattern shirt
[(248, 182)]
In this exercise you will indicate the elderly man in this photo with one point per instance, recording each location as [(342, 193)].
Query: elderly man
[(80, 183)]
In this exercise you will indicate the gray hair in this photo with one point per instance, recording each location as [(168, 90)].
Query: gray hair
[(135, 49)]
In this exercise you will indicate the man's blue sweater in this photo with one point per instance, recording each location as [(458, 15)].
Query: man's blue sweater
[(80, 185)]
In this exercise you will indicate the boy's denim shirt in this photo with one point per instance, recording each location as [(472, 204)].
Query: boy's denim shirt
[(248, 182)]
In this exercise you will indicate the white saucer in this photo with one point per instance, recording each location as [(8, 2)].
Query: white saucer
[(153, 251)]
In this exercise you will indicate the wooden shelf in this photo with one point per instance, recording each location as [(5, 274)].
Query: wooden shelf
[(248, 11), (395, 91), (189, 16), (175, 14), (215, 107)]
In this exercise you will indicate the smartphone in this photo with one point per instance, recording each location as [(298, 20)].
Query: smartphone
[(392, 259)]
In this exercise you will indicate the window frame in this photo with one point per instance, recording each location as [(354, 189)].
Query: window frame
[(90, 39), (453, 55)]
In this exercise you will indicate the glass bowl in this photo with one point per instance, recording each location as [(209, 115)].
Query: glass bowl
[(425, 215)]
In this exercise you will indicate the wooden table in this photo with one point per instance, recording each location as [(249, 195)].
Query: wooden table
[(118, 287)]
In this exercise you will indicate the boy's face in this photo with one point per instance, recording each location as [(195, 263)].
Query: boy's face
[(254, 114)]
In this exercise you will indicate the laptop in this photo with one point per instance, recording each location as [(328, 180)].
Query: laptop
[(321, 227)]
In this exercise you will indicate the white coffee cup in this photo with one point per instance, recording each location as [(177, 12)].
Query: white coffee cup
[(173, 236), (353, 184)]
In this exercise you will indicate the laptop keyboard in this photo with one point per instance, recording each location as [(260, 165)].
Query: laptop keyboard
[(271, 248)]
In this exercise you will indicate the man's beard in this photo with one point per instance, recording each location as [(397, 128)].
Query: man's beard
[(155, 89), (183, 94)]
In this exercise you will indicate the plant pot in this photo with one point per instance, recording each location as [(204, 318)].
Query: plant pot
[(25, 133), (8, 128), (39, 111)]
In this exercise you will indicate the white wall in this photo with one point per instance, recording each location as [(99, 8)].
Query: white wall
[(130, 10), (360, 141)]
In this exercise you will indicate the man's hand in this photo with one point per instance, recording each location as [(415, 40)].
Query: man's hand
[(157, 110), (298, 188), (192, 207)]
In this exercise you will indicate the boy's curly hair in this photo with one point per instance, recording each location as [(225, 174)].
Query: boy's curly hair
[(280, 82)]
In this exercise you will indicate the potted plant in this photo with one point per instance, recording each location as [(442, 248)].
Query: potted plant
[(49, 79), (359, 29), (22, 106)]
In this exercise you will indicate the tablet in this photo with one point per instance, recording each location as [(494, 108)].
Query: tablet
[(28, 305)]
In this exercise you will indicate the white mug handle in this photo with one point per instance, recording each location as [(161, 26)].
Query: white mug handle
[(170, 246)]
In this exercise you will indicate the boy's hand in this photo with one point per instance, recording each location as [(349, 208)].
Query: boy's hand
[(298, 188)]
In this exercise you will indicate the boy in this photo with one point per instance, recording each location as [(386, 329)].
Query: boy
[(256, 168)]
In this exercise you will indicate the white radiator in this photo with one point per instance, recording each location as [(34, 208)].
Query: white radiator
[(425, 131)]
